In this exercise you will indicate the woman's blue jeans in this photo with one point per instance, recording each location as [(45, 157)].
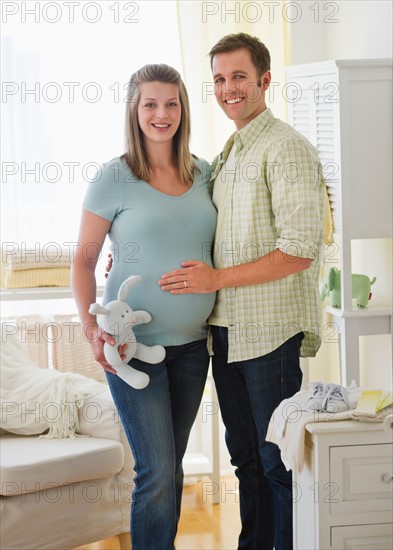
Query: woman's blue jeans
[(248, 392), (157, 421)]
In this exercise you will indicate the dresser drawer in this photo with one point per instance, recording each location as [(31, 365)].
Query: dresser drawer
[(362, 537), (360, 474)]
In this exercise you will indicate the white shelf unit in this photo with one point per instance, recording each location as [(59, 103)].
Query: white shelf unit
[(345, 109), (343, 495), (195, 464), (40, 293)]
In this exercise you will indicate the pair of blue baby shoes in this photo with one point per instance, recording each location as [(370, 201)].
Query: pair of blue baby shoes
[(330, 398)]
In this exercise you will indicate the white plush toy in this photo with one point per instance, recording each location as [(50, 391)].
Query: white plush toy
[(117, 318)]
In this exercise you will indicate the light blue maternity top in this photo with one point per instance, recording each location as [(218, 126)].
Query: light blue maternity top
[(151, 234)]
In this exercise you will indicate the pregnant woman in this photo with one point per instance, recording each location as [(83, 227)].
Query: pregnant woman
[(155, 205)]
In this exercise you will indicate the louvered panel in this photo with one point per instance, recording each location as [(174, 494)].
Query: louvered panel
[(323, 115), (326, 148), (324, 129), (327, 151), (301, 114), (326, 143), (302, 106), (325, 138), (325, 133), (316, 122), (326, 158)]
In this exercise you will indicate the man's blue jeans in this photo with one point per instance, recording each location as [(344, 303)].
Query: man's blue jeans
[(157, 421), (248, 392)]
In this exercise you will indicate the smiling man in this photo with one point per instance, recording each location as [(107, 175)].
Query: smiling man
[(269, 191)]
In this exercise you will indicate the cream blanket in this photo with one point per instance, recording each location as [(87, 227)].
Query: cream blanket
[(36, 400), (26, 256)]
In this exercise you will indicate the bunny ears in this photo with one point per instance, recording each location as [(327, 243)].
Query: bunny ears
[(96, 309), (126, 285)]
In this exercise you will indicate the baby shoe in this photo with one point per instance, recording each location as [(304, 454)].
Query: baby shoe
[(336, 399), (317, 400)]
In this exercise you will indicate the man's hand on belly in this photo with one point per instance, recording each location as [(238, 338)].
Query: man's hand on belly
[(193, 278)]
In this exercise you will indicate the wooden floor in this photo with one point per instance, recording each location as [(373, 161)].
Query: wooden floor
[(203, 525)]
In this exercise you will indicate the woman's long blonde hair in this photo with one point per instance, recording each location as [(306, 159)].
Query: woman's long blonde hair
[(135, 155)]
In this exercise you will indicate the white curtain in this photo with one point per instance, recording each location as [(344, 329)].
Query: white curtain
[(77, 67)]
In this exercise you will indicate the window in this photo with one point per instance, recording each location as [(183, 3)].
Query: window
[(65, 68)]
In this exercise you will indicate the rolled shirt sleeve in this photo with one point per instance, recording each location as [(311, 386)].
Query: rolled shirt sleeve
[(297, 187)]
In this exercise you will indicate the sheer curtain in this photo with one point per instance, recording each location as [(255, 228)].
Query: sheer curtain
[(64, 73)]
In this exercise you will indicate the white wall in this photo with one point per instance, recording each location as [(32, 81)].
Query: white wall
[(364, 30), (343, 29)]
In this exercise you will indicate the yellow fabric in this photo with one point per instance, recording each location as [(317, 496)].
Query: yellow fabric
[(328, 228), (29, 278), (287, 39)]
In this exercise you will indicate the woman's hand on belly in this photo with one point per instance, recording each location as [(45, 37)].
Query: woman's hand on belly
[(193, 278)]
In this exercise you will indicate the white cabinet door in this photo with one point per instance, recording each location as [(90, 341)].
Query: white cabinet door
[(362, 537)]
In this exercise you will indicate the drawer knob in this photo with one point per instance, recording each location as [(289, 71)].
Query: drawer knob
[(387, 478)]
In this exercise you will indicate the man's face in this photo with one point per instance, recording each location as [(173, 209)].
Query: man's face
[(239, 90)]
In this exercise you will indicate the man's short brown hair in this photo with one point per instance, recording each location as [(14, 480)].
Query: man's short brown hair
[(260, 55)]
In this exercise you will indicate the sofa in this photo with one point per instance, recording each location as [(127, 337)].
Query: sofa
[(66, 467)]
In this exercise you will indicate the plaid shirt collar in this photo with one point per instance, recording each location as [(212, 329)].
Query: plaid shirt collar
[(242, 138)]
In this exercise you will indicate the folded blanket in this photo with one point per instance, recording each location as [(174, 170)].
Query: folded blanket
[(30, 278), (35, 400), (377, 417), (36, 257), (287, 427)]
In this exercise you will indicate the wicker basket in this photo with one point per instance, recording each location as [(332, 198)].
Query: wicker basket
[(34, 333), (71, 350)]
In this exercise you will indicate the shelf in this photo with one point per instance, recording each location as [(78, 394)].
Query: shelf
[(42, 293), (374, 310)]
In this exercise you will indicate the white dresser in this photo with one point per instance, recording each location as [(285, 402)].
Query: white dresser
[(343, 496)]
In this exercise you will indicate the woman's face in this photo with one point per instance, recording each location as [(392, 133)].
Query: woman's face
[(159, 111)]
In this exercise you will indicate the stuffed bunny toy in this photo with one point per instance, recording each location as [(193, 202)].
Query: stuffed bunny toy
[(117, 318)]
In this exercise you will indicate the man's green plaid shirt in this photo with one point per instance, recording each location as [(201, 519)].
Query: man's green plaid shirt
[(274, 199)]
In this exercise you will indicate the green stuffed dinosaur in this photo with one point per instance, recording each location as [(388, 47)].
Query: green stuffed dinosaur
[(331, 286)]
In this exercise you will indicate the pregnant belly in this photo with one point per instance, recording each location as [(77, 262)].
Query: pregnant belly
[(176, 319)]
